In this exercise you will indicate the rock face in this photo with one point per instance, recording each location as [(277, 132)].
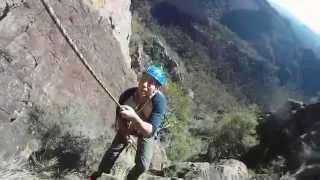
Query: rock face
[(292, 132), (153, 50), (119, 18), (39, 69)]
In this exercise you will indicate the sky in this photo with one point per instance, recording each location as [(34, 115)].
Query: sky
[(308, 11)]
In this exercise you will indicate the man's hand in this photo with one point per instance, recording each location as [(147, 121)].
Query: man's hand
[(142, 127), (127, 112)]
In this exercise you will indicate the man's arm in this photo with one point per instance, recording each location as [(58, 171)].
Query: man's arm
[(147, 129), (144, 128), (159, 105)]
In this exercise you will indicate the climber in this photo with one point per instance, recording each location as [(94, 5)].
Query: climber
[(141, 112)]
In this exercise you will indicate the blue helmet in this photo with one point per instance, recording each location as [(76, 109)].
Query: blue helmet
[(158, 74)]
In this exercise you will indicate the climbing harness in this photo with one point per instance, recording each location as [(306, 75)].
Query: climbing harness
[(75, 48), (138, 109)]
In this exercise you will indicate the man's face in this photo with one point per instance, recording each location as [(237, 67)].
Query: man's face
[(147, 86)]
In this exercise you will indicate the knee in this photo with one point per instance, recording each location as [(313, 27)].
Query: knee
[(142, 166), (136, 171), (143, 163)]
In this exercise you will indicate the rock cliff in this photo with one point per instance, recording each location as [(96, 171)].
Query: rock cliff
[(41, 75)]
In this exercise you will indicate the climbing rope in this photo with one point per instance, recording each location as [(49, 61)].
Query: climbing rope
[(82, 58), (75, 48)]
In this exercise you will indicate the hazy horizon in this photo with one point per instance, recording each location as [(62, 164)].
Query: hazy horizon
[(304, 11)]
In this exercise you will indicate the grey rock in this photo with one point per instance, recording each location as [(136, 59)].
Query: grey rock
[(38, 68), (292, 131), (118, 15), (224, 170), (155, 51)]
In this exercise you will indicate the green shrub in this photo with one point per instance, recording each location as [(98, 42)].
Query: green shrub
[(234, 133), (66, 133), (175, 133)]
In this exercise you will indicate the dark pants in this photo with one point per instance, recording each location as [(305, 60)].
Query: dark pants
[(142, 160)]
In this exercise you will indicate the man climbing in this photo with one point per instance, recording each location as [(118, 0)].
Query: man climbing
[(140, 113)]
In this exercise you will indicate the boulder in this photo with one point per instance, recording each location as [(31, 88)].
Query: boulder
[(228, 169), (292, 132)]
